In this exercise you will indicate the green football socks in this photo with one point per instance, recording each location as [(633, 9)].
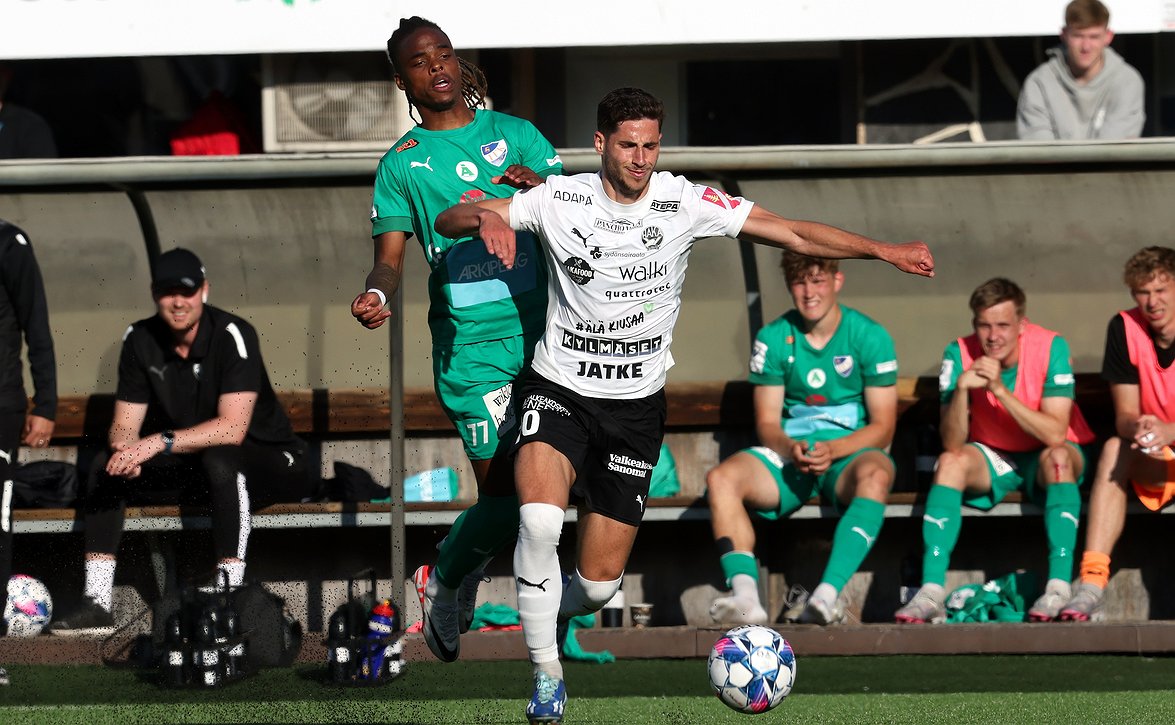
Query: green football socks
[(852, 540), (1062, 508), (481, 531), (940, 532)]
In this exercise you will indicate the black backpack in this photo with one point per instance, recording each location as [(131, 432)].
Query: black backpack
[(44, 484)]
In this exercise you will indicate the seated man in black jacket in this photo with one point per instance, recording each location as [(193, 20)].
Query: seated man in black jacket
[(195, 421)]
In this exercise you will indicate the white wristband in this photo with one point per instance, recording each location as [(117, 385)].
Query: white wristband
[(383, 299)]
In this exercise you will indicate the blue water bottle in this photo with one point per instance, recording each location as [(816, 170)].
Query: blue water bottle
[(379, 628)]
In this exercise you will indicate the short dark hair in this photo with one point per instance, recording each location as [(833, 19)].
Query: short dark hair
[(1081, 14), (627, 104), (797, 267), (996, 291), (1148, 263)]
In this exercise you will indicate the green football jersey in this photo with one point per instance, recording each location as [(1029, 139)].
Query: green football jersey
[(473, 297), (1058, 383), (824, 390)]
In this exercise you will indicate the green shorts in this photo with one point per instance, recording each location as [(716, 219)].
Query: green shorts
[(795, 488), (474, 384), (1011, 471)]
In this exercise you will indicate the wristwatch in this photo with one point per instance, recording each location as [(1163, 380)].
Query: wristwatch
[(168, 440)]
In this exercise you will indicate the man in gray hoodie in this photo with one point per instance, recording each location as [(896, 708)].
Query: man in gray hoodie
[(1085, 90)]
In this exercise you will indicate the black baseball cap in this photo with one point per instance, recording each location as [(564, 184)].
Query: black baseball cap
[(177, 269)]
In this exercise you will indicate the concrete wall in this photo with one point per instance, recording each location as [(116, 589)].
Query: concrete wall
[(1061, 235), (290, 254)]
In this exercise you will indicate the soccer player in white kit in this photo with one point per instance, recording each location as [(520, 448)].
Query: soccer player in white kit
[(593, 405)]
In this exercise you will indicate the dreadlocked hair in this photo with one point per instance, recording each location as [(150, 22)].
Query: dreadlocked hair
[(474, 86)]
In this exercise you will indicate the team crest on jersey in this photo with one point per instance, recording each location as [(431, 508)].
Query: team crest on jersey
[(472, 196), (816, 378), (652, 238), (495, 151), (843, 365), (466, 171), (410, 143)]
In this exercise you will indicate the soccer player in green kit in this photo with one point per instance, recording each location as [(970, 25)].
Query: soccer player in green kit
[(825, 401), (484, 317)]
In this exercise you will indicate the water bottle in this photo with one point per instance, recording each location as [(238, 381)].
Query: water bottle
[(338, 635), (379, 628), (613, 613), (173, 638), (235, 661), (393, 659), (206, 647)]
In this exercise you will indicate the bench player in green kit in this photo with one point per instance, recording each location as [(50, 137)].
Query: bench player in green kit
[(1008, 422), (484, 317), (825, 401)]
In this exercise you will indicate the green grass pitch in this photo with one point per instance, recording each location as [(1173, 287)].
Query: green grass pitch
[(963, 689)]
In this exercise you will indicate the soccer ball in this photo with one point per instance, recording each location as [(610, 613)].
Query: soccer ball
[(29, 607), (752, 668)]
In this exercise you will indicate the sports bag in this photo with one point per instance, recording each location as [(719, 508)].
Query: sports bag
[(274, 636), (44, 484)]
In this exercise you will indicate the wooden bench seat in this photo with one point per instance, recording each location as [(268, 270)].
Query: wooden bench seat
[(337, 514), (342, 414)]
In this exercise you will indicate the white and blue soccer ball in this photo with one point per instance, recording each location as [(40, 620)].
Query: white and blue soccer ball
[(752, 668), (29, 607)]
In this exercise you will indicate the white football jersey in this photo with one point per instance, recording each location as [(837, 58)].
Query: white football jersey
[(616, 275)]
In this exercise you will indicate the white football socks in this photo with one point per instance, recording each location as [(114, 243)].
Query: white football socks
[(744, 587), (539, 582), (235, 571), (100, 582), (826, 593), (584, 596)]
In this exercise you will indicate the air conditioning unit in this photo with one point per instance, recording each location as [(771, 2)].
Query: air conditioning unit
[(314, 102)]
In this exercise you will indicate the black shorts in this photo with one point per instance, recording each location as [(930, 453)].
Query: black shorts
[(612, 444)]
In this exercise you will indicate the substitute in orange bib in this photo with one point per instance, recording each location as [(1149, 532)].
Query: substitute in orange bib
[(1008, 422), (1140, 347)]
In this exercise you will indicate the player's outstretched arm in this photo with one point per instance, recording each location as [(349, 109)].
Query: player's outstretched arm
[(820, 240), (370, 307), (489, 220)]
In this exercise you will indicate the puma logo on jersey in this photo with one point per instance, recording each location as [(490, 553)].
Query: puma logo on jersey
[(158, 371), (864, 535), (640, 500), (419, 164), (7, 456), (582, 238), (289, 458), (940, 523), (541, 585)]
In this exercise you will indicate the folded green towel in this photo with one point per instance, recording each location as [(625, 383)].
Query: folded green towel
[(500, 615)]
